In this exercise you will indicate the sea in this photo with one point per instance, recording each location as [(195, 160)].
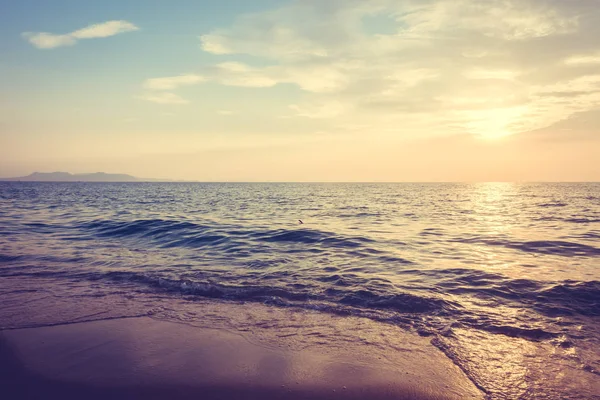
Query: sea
[(502, 278)]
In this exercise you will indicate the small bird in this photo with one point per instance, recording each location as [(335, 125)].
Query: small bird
[(300, 221)]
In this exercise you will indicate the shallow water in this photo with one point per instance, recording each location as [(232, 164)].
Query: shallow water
[(504, 278)]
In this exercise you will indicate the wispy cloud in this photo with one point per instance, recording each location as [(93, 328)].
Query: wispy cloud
[(163, 98), (441, 66), (45, 40), (451, 66), (105, 29), (582, 60), (156, 86), (172, 82)]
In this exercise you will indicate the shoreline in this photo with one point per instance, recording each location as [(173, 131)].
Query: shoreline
[(140, 357)]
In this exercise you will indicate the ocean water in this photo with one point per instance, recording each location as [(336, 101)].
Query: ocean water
[(504, 278)]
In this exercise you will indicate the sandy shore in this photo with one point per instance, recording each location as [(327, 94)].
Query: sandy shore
[(143, 358)]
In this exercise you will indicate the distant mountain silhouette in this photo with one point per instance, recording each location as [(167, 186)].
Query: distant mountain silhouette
[(68, 177)]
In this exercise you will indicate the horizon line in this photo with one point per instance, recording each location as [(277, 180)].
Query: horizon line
[(166, 180)]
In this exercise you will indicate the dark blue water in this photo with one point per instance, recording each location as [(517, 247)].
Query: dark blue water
[(504, 278)]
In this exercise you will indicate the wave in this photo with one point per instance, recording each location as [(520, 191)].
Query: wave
[(311, 236), (570, 220), (273, 269), (591, 235), (569, 298), (421, 312), (235, 239), (557, 204), (550, 247), (344, 295), (402, 302), (582, 220), (4, 258), (150, 227), (374, 298), (557, 299)]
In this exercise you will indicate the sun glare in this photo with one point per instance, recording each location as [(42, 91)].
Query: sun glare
[(497, 123)]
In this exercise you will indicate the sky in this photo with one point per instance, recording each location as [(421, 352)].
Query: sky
[(305, 90)]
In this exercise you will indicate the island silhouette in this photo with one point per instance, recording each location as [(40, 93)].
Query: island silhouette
[(91, 177)]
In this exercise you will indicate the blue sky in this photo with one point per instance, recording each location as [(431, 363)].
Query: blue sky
[(165, 43), (377, 90)]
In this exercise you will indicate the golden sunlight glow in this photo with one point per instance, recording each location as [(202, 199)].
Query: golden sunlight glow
[(496, 123)]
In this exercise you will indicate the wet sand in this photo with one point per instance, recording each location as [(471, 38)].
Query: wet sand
[(143, 358)]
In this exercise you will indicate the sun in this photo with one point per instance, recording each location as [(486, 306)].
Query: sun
[(496, 123)]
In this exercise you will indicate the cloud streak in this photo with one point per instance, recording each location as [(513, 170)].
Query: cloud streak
[(172, 82), (450, 66), (158, 88), (440, 66), (163, 98), (45, 40)]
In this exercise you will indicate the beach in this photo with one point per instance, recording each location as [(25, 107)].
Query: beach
[(143, 358), (386, 291), (300, 199)]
